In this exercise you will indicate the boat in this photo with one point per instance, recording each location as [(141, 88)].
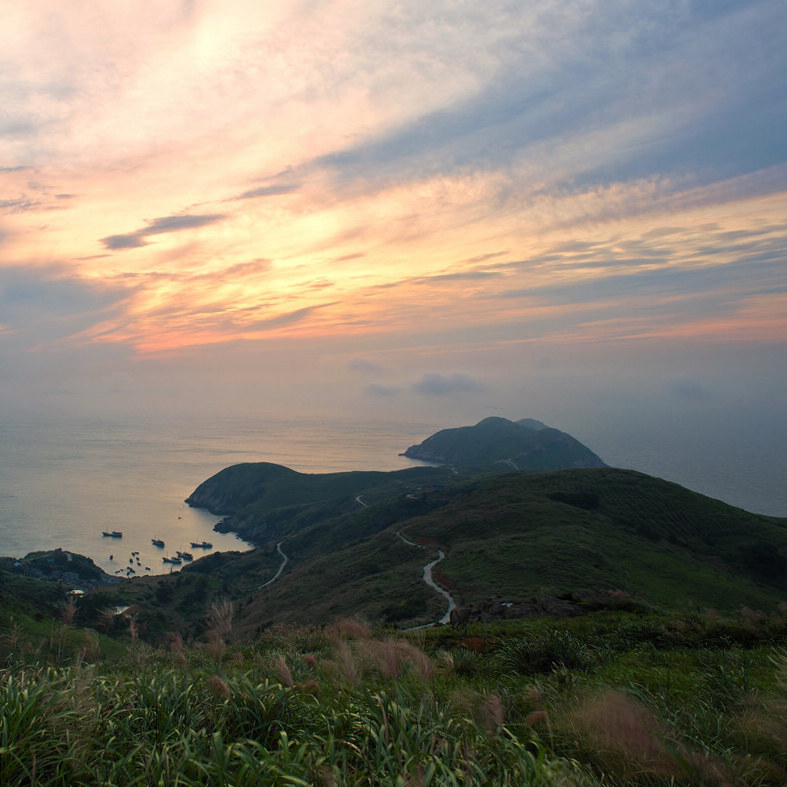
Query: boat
[(112, 533), (185, 555), (157, 542), (174, 560), (201, 545)]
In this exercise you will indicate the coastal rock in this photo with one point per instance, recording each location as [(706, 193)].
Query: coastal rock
[(60, 565)]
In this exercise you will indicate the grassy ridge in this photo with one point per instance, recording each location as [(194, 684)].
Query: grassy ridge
[(578, 532), (610, 698), (591, 534), (266, 502)]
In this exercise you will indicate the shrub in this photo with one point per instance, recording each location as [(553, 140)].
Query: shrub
[(543, 653)]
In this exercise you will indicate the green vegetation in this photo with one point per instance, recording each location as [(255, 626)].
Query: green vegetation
[(609, 698), (581, 534), (35, 622), (523, 445)]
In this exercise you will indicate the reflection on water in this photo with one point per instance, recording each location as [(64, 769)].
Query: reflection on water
[(63, 482)]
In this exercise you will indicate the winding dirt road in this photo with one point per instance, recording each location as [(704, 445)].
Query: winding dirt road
[(284, 562), (427, 575), (430, 581)]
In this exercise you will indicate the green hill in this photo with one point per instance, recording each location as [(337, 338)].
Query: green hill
[(263, 501), (591, 534), (36, 608), (526, 445)]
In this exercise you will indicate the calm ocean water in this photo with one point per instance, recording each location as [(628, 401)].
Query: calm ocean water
[(63, 481)]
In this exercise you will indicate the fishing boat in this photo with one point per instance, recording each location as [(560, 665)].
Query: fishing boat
[(112, 533), (176, 561), (185, 555), (201, 545), (157, 542)]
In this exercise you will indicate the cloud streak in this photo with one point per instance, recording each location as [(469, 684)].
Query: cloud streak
[(160, 226), (457, 383)]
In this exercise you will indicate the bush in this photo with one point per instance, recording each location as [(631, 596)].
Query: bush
[(544, 652)]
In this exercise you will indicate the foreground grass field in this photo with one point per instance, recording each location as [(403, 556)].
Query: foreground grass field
[(607, 698)]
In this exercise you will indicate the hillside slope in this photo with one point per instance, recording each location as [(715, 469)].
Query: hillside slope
[(581, 532), (262, 501), (526, 445)]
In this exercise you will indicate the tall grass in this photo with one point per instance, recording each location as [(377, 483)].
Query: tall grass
[(338, 706), (188, 726)]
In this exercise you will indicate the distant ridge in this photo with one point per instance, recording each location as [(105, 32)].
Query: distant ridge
[(527, 445)]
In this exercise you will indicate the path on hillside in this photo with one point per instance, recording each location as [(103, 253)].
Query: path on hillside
[(432, 584), (284, 561), (430, 581)]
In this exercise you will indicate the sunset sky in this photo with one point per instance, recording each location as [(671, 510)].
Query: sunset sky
[(559, 209)]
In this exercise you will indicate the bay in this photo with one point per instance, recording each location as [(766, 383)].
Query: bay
[(65, 479)]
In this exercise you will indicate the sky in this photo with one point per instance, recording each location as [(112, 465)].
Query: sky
[(570, 210)]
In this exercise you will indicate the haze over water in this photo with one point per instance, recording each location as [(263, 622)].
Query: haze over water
[(65, 480)]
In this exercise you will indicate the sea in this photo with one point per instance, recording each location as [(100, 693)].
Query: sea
[(65, 480)]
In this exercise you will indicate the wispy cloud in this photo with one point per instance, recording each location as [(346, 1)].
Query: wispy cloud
[(44, 304), (268, 191), (362, 366), (159, 226), (375, 389), (435, 384), (691, 390)]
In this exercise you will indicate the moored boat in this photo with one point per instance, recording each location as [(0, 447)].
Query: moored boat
[(112, 533), (185, 555), (157, 542)]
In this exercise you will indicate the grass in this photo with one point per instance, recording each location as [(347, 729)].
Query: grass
[(610, 698), (176, 726)]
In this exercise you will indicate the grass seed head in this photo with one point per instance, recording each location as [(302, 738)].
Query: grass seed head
[(218, 687), (625, 736), (283, 671)]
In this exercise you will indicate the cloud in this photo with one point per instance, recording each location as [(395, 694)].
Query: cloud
[(690, 390), (130, 241), (433, 384), (268, 191), (457, 276), (363, 366), (43, 304), (17, 205), (373, 389), (283, 320), (177, 223), (183, 222)]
